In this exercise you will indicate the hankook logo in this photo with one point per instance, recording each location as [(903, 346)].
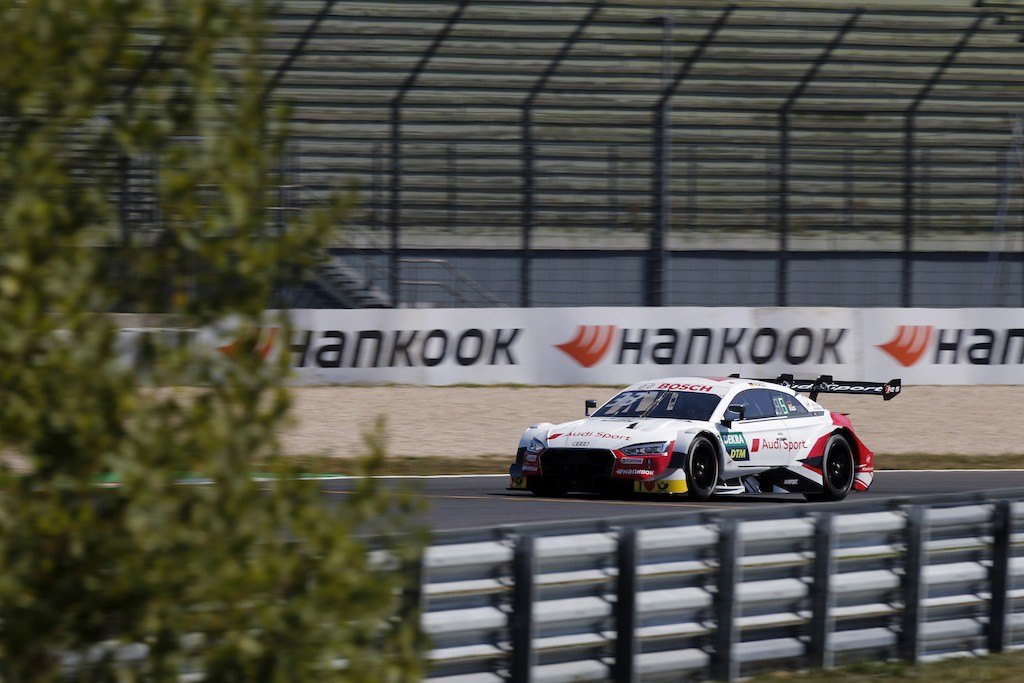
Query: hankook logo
[(266, 337), (729, 346), (909, 344), (590, 344), (951, 346)]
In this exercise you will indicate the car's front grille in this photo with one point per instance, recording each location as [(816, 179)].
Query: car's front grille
[(581, 467)]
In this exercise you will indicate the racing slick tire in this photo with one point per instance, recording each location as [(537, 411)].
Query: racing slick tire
[(701, 468), (838, 470)]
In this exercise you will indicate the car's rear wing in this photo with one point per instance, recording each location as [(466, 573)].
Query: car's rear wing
[(826, 385)]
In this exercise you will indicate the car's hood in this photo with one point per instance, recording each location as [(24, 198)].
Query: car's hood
[(614, 432)]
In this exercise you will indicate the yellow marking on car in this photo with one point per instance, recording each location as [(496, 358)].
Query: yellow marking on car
[(660, 486)]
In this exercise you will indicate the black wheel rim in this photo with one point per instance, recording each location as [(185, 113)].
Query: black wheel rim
[(840, 467), (703, 469)]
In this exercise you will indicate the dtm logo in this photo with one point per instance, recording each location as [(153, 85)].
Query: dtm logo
[(590, 344), (736, 445)]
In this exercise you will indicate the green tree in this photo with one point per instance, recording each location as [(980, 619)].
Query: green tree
[(239, 580)]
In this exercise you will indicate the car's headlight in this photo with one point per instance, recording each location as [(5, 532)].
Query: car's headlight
[(536, 445), (653, 448)]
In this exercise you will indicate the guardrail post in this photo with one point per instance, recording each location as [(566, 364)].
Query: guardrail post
[(822, 598), (625, 607), (910, 625), (520, 622), (413, 601), (1002, 534), (723, 667)]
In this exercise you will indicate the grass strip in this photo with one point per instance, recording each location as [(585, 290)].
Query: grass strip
[(991, 669)]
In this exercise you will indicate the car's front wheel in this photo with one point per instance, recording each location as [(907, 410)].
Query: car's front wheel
[(701, 468), (837, 471)]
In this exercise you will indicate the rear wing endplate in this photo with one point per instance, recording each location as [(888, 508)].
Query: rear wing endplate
[(826, 385)]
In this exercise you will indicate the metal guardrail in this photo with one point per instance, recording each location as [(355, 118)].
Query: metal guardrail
[(727, 594)]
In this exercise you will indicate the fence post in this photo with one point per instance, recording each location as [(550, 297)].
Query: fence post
[(1002, 535), (625, 607), (453, 189), (822, 600), (520, 622), (613, 185), (692, 199), (909, 127), (656, 290), (723, 665), (782, 279), (395, 119), (910, 625), (848, 190), (529, 197), (377, 190)]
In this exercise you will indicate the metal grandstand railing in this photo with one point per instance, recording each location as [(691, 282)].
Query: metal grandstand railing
[(643, 152), (831, 155)]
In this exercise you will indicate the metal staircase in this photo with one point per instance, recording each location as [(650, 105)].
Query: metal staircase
[(348, 287)]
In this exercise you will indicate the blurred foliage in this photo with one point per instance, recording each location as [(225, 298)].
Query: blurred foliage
[(236, 581)]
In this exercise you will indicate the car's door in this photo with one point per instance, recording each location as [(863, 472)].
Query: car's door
[(804, 426), (763, 429)]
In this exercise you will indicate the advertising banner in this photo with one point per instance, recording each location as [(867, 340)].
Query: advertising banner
[(944, 346), (616, 345)]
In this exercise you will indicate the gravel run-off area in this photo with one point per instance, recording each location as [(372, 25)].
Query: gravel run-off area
[(466, 421)]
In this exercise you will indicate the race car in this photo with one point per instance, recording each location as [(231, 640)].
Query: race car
[(704, 436)]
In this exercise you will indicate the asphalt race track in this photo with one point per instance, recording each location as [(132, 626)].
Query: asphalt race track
[(481, 501)]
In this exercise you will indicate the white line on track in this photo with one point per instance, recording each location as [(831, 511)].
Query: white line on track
[(468, 476)]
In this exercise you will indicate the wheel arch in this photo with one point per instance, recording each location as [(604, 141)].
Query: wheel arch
[(861, 454), (682, 448)]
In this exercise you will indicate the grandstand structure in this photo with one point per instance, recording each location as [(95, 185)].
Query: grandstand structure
[(644, 152)]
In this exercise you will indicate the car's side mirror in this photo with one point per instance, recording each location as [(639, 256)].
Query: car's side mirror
[(734, 410), (588, 405)]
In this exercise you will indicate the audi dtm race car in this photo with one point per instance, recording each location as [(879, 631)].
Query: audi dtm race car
[(701, 436)]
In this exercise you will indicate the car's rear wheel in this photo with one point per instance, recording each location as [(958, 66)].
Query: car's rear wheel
[(837, 470), (701, 468)]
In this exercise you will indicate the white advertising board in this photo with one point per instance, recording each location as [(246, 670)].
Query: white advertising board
[(617, 346)]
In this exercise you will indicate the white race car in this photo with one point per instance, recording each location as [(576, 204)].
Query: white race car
[(702, 436)]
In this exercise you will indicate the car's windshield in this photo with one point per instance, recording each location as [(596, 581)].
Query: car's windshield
[(679, 405)]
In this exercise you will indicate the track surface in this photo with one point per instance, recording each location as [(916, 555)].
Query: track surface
[(482, 501)]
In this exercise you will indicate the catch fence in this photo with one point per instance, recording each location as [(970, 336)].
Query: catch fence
[(605, 152)]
